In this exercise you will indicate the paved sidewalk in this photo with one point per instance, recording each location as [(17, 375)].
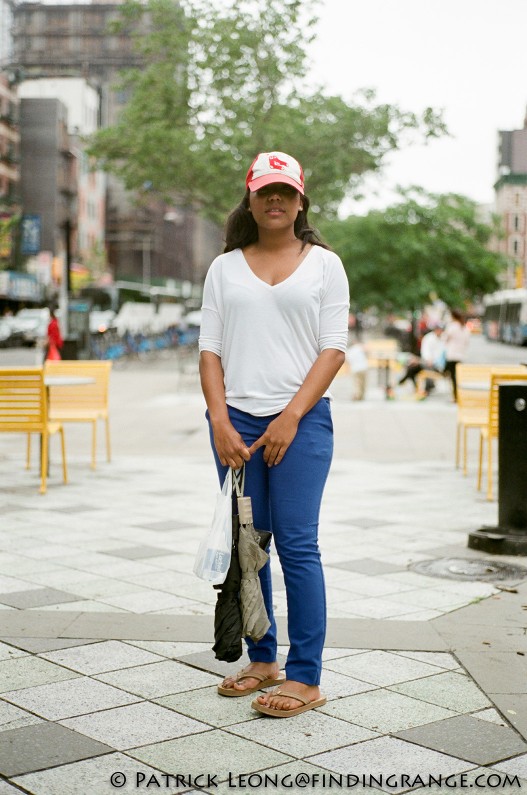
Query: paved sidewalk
[(105, 661)]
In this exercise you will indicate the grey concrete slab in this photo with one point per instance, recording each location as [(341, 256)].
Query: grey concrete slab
[(207, 706), (372, 634), (87, 777), (224, 754), (385, 712), (96, 658), (166, 525), (514, 708), (37, 645), (207, 662), (368, 566), (159, 679), (28, 671), (389, 756), (37, 624), (472, 637), (381, 668), (44, 745), (134, 725), (140, 552), (73, 509), (7, 789), (496, 672), (468, 738), (36, 598), (450, 690), (72, 697), (365, 522), (310, 733)]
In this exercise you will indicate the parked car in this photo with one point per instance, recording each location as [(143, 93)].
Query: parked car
[(31, 325)]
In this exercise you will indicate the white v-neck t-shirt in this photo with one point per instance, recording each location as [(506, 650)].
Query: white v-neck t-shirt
[(269, 336)]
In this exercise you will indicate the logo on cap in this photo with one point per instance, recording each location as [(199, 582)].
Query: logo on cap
[(269, 167)]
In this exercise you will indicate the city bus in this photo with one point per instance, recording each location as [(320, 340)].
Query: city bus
[(505, 316)]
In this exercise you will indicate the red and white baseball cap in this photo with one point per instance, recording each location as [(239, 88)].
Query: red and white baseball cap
[(269, 167)]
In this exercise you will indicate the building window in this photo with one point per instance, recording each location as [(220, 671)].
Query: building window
[(515, 247), (516, 223)]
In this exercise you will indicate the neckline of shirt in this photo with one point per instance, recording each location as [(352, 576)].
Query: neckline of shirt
[(284, 281)]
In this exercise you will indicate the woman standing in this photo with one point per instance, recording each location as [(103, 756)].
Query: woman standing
[(456, 339), (273, 337)]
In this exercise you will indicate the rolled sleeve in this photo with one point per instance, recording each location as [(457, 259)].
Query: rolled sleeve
[(334, 307)]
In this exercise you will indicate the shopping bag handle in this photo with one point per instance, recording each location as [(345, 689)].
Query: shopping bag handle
[(238, 480)]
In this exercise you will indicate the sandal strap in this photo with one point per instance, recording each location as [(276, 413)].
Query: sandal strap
[(250, 675), (291, 694)]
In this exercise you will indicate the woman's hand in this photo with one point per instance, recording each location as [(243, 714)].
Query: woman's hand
[(232, 450), (276, 439)]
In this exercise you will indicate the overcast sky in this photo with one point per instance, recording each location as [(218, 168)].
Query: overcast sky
[(468, 57)]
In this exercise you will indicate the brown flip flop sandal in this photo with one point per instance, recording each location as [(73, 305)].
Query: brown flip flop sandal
[(288, 713), (263, 681)]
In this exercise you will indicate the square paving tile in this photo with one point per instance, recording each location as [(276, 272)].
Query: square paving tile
[(516, 766), (390, 757), (8, 652), (37, 645), (208, 662), (87, 777), (159, 679), (368, 566), (384, 711), (468, 738), (29, 671), (69, 698), (166, 526), (450, 690), (131, 726), (36, 598), (310, 733), (207, 706), (139, 552), (364, 522), (224, 753), (73, 509), (439, 658), (44, 745), (381, 668), (110, 655), (12, 717)]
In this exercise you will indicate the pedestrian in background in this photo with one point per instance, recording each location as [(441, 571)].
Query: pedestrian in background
[(55, 341), (457, 340), (358, 364), (273, 336), (432, 358)]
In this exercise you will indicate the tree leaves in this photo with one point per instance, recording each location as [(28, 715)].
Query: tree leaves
[(220, 85), (427, 244)]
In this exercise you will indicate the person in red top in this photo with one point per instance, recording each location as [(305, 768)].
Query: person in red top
[(55, 341)]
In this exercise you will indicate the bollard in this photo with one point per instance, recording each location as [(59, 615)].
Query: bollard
[(509, 537)]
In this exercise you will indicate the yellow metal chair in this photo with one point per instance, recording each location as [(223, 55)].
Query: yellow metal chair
[(82, 403), (490, 431), (473, 404), (24, 409)]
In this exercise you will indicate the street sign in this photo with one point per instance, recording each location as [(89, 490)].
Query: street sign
[(31, 226)]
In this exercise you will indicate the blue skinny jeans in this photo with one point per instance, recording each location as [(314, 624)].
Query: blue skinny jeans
[(286, 501)]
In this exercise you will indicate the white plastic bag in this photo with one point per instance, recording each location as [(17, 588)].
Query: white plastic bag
[(214, 554)]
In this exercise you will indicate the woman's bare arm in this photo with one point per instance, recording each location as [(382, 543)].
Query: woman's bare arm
[(232, 450)]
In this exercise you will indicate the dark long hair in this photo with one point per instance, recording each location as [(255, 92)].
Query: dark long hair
[(241, 229)]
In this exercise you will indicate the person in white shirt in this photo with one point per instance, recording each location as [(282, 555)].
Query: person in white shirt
[(273, 336), (457, 340), (432, 357)]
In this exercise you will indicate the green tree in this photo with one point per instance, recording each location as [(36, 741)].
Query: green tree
[(426, 246), (220, 85)]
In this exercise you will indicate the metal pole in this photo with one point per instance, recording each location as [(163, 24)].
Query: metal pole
[(147, 275)]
